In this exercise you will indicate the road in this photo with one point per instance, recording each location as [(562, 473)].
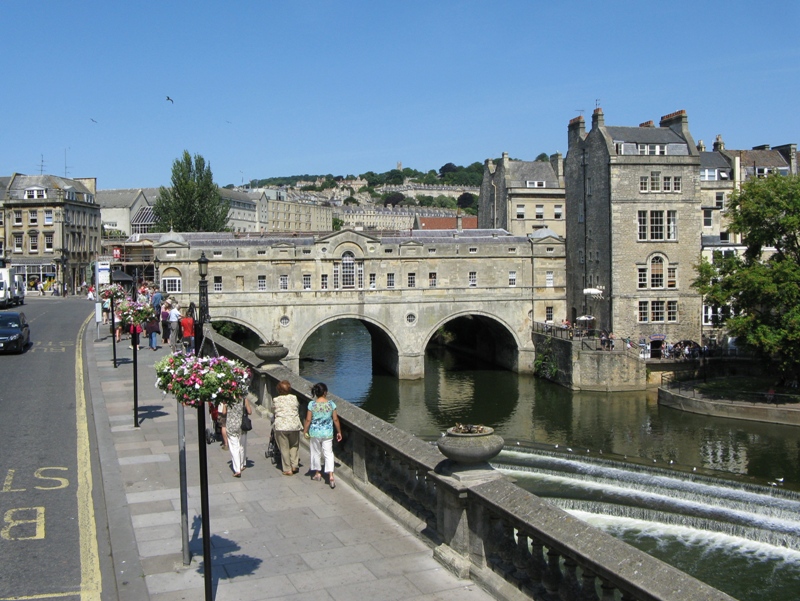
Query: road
[(48, 539)]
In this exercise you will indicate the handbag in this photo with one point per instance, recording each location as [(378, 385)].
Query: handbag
[(247, 425)]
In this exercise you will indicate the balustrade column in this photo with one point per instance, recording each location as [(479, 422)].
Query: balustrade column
[(359, 449)]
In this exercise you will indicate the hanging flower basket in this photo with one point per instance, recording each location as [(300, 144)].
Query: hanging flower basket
[(135, 313), (197, 380), (114, 291)]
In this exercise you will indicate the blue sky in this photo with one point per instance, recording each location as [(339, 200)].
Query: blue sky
[(270, 88)]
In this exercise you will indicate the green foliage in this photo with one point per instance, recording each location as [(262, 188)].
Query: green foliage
[(545, 364), (543, 157), (350, 201), (467, 201), (393, 198), (759, 292), (193, 203), (338, 224)]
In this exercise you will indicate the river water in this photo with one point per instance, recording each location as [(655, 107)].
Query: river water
[(717, 498)]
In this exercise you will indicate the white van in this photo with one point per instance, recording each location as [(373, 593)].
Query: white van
[(6, 299), (18, 289)]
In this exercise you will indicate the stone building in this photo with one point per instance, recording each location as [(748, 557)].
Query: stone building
[(49, 227), (523, 196), (633, 228)]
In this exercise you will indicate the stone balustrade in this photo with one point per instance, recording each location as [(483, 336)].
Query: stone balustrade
[(478, 522)]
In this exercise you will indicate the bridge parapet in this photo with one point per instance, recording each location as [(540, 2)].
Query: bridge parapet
[(479, 523)]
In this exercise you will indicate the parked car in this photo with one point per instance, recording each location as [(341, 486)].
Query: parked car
[(15, 333)]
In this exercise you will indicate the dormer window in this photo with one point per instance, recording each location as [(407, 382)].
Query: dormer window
[(35, 193), (534, 184), (652, 149)]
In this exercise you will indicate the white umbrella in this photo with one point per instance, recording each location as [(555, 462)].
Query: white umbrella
[(586, 318)]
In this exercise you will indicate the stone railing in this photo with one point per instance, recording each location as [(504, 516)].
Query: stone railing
[(479, 523)]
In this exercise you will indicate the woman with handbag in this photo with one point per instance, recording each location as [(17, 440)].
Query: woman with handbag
[(287, 427), (321, 419), (237, 435)]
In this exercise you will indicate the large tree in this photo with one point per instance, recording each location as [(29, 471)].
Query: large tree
[(758, 293), (193, 203)]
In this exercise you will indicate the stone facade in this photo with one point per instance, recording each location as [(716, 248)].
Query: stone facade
[(633, 227), (403, 288)]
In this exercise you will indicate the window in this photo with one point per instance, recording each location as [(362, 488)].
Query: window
[(642, 216), (550, 250), (261, 284), (473, 278), (672, 225), (548, 313), (534, 184), (306, 281), (720, 200), (677, 183), (657, 272), (708, 175), (644, 183), (348, 270), (323, 281), (558, 211), (644, 311), (373, 281), (412, 280), (655, 181), (472, 250), (171, 285), (17, 217), (724, 237), (657, 310), (33, 217), (48, 243), (431, 251), (390, 280), (548, 279), (33, 243), (539, 211), (652, 149), (642, 277), (17, 243), (283, 282), (217, 283), (672, 310), (512, 250), (672, 277), (2, 217), (512, 279), (656, 225), (520, 211), (667, 187), (432, 279), (707, 220), (217, 253)]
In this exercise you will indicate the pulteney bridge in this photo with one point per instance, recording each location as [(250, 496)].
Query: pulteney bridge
[(485, 285)]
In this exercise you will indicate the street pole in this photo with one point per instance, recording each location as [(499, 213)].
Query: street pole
[(113, 332), (187, 555), (135, 345), (202, 266)]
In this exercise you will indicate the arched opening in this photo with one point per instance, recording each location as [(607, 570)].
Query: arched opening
[(480, 337)]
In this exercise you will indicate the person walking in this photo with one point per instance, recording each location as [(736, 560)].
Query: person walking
[(187, 332), (287, 427), (237, 438), (165, 307), (157, 299), (152, 330), (174, 325), (321, 420)]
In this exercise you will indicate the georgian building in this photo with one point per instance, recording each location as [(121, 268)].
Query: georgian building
[(523, 196), (50, 227), (634, 228)]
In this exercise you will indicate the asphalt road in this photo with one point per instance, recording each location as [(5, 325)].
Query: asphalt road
[(48, 542)]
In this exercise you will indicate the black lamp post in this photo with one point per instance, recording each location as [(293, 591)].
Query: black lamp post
[(202, 269), (156, 265), (64, 265)]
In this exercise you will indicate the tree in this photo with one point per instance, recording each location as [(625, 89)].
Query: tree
[(193, 203), (337, 224), (758, 293), (467, 200), (543, 157), (393, 198)]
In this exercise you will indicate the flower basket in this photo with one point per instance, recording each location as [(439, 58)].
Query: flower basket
[(135, 313), (197, 380), (468, 444), (110, 291)]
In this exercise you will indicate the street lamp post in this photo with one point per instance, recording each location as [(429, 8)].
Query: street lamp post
[(64, 265), (156, 265), (202, 269)]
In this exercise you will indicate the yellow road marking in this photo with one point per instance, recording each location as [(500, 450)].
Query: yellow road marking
[(91, 582), (42, 596)]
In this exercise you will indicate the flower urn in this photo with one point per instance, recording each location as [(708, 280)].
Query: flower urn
[(271, 353), (474, 444)]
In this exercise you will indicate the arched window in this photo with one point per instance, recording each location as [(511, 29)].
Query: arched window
[(348, 270), (657, 272)]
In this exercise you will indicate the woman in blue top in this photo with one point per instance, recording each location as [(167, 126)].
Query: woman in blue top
[(321, 420)]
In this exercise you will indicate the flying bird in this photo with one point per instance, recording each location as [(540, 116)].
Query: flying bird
[(93, 121), (171, 100)]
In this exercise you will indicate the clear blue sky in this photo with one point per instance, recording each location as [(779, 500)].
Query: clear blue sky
[(268, 88)]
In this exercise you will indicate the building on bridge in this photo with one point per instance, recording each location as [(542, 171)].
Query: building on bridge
[(485, 287)]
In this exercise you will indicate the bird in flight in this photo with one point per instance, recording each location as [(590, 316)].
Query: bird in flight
[(171, 100), (93, 121)]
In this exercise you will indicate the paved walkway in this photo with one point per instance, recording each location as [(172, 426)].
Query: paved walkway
[(273, 536)]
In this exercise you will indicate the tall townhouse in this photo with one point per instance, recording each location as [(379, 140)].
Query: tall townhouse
[(633, 228), (523, 196), (50, 227)]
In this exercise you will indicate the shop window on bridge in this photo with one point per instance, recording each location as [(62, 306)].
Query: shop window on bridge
[(412, 280), (283, 282), (306, 281), (390, 280), (262, 283), (323, 281), (473, 279), (217, 283), (548, 314), (432, 279), (512, 279)]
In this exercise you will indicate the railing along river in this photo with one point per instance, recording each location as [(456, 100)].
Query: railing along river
[(478, 522)]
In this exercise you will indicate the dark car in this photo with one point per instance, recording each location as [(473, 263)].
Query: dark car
[(15, 333)]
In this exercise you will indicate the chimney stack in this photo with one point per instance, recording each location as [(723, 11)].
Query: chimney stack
[(718, 143), (576, 130), (598, 119), (647, 124), (701, 146)]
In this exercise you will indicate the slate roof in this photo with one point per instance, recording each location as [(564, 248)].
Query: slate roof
[(543, 232), (522, 171), (644, 135), (759, 158), (123, 198), (713, 160), (19, 182)]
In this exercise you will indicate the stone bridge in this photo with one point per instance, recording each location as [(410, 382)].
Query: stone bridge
[(485, 285)]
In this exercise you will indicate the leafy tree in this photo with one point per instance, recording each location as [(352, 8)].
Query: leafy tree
[(446, 202), (350, 201), (393, 198), (193, 203), (394, 178), (447, 168), (467, 200), (543, 157), (337, 224), (759, 292)]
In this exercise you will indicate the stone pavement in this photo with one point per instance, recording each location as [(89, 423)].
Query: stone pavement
[(273, 536)]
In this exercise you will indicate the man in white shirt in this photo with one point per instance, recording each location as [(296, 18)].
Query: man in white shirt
[(174, 325)]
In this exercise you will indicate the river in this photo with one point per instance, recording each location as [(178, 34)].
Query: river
[(717, 498)]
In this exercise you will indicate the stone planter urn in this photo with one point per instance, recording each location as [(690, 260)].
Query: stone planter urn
[(271, 353), (470, 444)]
